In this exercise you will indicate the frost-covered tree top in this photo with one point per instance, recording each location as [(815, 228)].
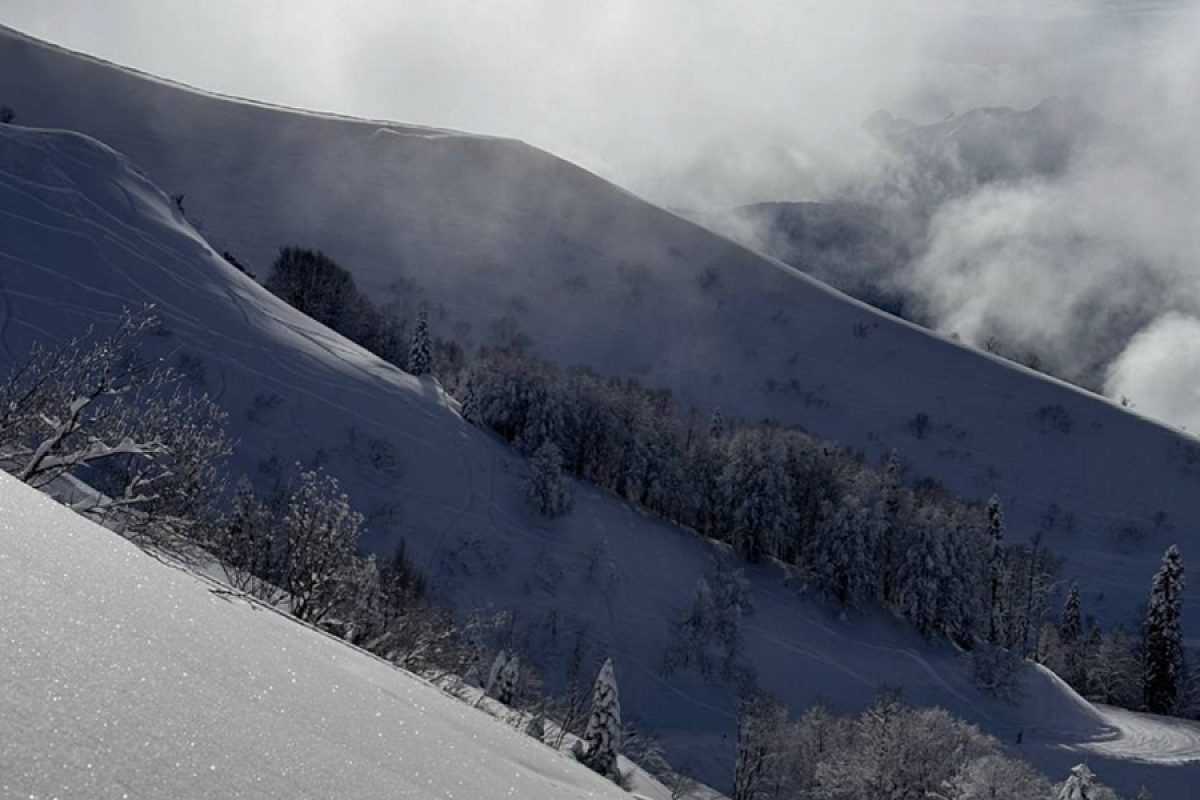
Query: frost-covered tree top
[(420, 353), (1080, 785), (602, 739), (1163, 679)]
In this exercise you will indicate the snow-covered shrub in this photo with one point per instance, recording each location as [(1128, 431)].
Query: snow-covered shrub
[(319, 531), (994, 777), (95, 410), (246, 544), (546, 488)]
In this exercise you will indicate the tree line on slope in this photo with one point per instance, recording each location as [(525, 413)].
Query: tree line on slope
[(319, 287), (854, 531), (857, 532)]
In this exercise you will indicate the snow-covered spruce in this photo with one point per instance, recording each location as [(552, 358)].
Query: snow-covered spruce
[(1079, 785), (420, 353), (504, 678), (602, 739), (1164, 636), (470, 401)]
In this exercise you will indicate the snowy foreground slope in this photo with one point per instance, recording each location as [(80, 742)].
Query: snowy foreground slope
[(125, 677), (491, 230), (83, 234)]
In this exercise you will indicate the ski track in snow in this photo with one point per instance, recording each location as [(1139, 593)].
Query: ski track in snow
[(1146, 738)]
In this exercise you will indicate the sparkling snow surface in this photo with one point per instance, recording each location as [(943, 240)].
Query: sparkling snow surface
[(123, 677)]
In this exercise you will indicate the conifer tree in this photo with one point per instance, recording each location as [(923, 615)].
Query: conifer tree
[(504, 678), (602, 739), (1163, 674), (995, 529), (890, 542), (1072, 619), (546, 488), (757, 489), (420, 353), (847, 548), (493, 681), (470, 401), (1070, 635), (891, 485)]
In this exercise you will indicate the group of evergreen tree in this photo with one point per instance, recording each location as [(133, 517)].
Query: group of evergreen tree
[(857, 531), (316, 285), (1144, 671)]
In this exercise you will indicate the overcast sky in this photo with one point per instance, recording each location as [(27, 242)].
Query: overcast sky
[(648, 92)]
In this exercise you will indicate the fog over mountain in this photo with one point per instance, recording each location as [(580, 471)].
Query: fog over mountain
[(1084, 256)]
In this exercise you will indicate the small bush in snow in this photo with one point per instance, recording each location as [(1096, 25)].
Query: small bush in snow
[(7, 115), (319, 533)]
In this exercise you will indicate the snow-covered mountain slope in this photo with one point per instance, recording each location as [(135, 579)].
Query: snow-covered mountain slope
[(83, 234), (494, 231), (125, 677)]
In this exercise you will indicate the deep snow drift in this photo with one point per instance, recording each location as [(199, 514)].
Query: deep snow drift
[(495, 233), (84, 234)]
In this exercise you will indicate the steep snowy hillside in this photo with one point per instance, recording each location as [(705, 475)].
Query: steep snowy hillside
[(125, 677), (84, 234), (495, 233)]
